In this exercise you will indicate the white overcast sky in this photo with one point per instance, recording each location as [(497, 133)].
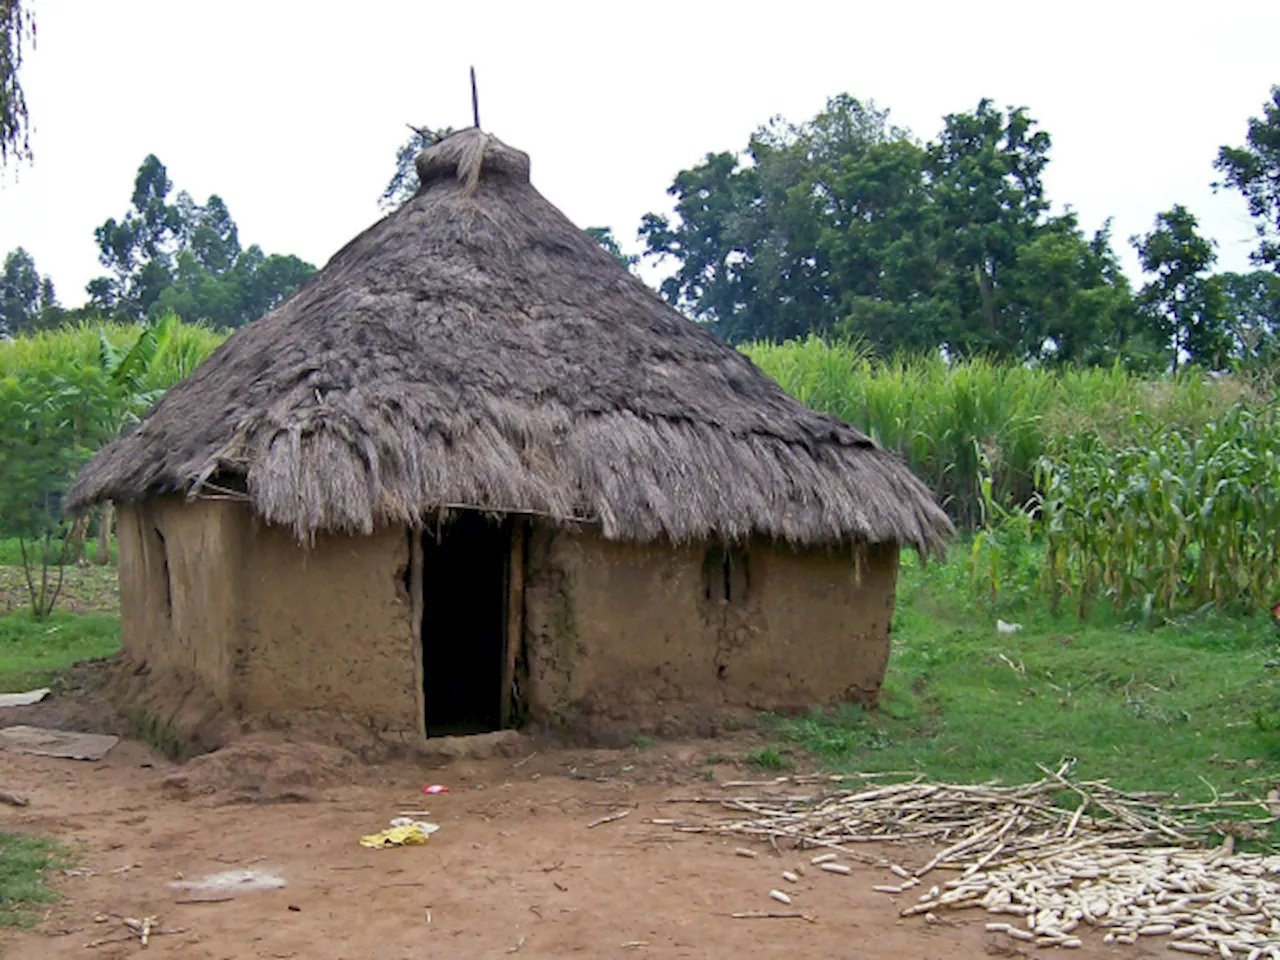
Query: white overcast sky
[(292, 112)]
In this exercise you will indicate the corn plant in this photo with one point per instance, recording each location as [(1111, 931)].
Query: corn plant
[(1176, 518), (1003, 558)]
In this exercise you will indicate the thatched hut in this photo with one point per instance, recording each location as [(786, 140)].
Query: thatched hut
[(473, 473)]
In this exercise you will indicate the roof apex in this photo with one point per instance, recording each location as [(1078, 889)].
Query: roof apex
[(469, 155)]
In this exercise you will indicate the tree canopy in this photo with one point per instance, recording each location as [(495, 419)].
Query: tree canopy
[(1254, 170), (848, 225), (17, 30), (185, 258), (1180, 302), (27, 299)]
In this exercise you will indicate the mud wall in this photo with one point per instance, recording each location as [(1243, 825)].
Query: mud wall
[(179, 591), (647, 633), (221, 611), (330, 628)]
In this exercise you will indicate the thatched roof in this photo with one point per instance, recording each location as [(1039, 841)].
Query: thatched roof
[(475, 348)]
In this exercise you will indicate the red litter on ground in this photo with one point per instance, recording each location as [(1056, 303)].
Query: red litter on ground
[(435, 788)]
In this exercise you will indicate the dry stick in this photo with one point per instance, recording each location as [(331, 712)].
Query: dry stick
[(962, 845), (609, 819), (1075, 818), (102, 942), (206, 900), (773, 915), (12, 799), (739, 803)]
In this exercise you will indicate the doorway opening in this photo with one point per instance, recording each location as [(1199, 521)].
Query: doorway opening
[(465, 579)]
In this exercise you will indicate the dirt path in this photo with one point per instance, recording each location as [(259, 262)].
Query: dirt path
[(514, 870)]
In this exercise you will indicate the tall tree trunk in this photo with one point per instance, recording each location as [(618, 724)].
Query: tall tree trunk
[(987, 296), (75, 539), (103, 554)]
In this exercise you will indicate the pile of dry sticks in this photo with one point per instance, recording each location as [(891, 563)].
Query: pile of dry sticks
[(1050, 856)]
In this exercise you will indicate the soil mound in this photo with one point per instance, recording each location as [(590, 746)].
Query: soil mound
[(262, 769)]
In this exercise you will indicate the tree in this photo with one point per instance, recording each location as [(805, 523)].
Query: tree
[(702, 240), (266, 281), (846, 225), (604, 236), (878, 243), (1183, 308), (27, 300), (804, 234), (404, 180), (139, 248), (985, 180), (1251, 316), (17, 29), (1254, 170), (19, 292), (186, 258), (1071, 298)]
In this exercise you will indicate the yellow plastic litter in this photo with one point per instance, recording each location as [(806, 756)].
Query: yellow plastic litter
[(410, 835)]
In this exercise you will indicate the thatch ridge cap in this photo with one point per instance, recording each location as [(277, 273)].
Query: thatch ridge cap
[(468, 155)]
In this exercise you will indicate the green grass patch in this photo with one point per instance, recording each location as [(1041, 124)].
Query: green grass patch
[(32, 652), (1147, 706), (770, 758), (11, 551), (24, 865)]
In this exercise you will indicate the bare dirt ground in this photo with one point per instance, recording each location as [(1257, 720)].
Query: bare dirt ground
[(513, 871)]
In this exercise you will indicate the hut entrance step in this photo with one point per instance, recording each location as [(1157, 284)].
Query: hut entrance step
[(465, 574)]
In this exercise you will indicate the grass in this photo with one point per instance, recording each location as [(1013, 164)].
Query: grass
[(33, 652), (1164, 707), (770, 758), (76, 346), (24, 863)]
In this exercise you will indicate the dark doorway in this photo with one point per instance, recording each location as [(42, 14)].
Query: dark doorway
[(464, 624)]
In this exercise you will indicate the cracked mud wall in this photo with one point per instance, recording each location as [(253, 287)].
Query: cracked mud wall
[(180, 591), (657, 638), (180, 587)]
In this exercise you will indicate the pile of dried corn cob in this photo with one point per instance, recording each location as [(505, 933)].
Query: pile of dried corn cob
[(1129, 864)]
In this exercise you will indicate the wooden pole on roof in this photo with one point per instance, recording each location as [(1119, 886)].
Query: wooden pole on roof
[(475, 100)]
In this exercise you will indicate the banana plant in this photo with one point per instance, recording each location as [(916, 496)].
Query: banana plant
[(129, 372)]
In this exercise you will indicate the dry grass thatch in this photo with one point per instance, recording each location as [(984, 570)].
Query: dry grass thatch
[(475, 348)]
